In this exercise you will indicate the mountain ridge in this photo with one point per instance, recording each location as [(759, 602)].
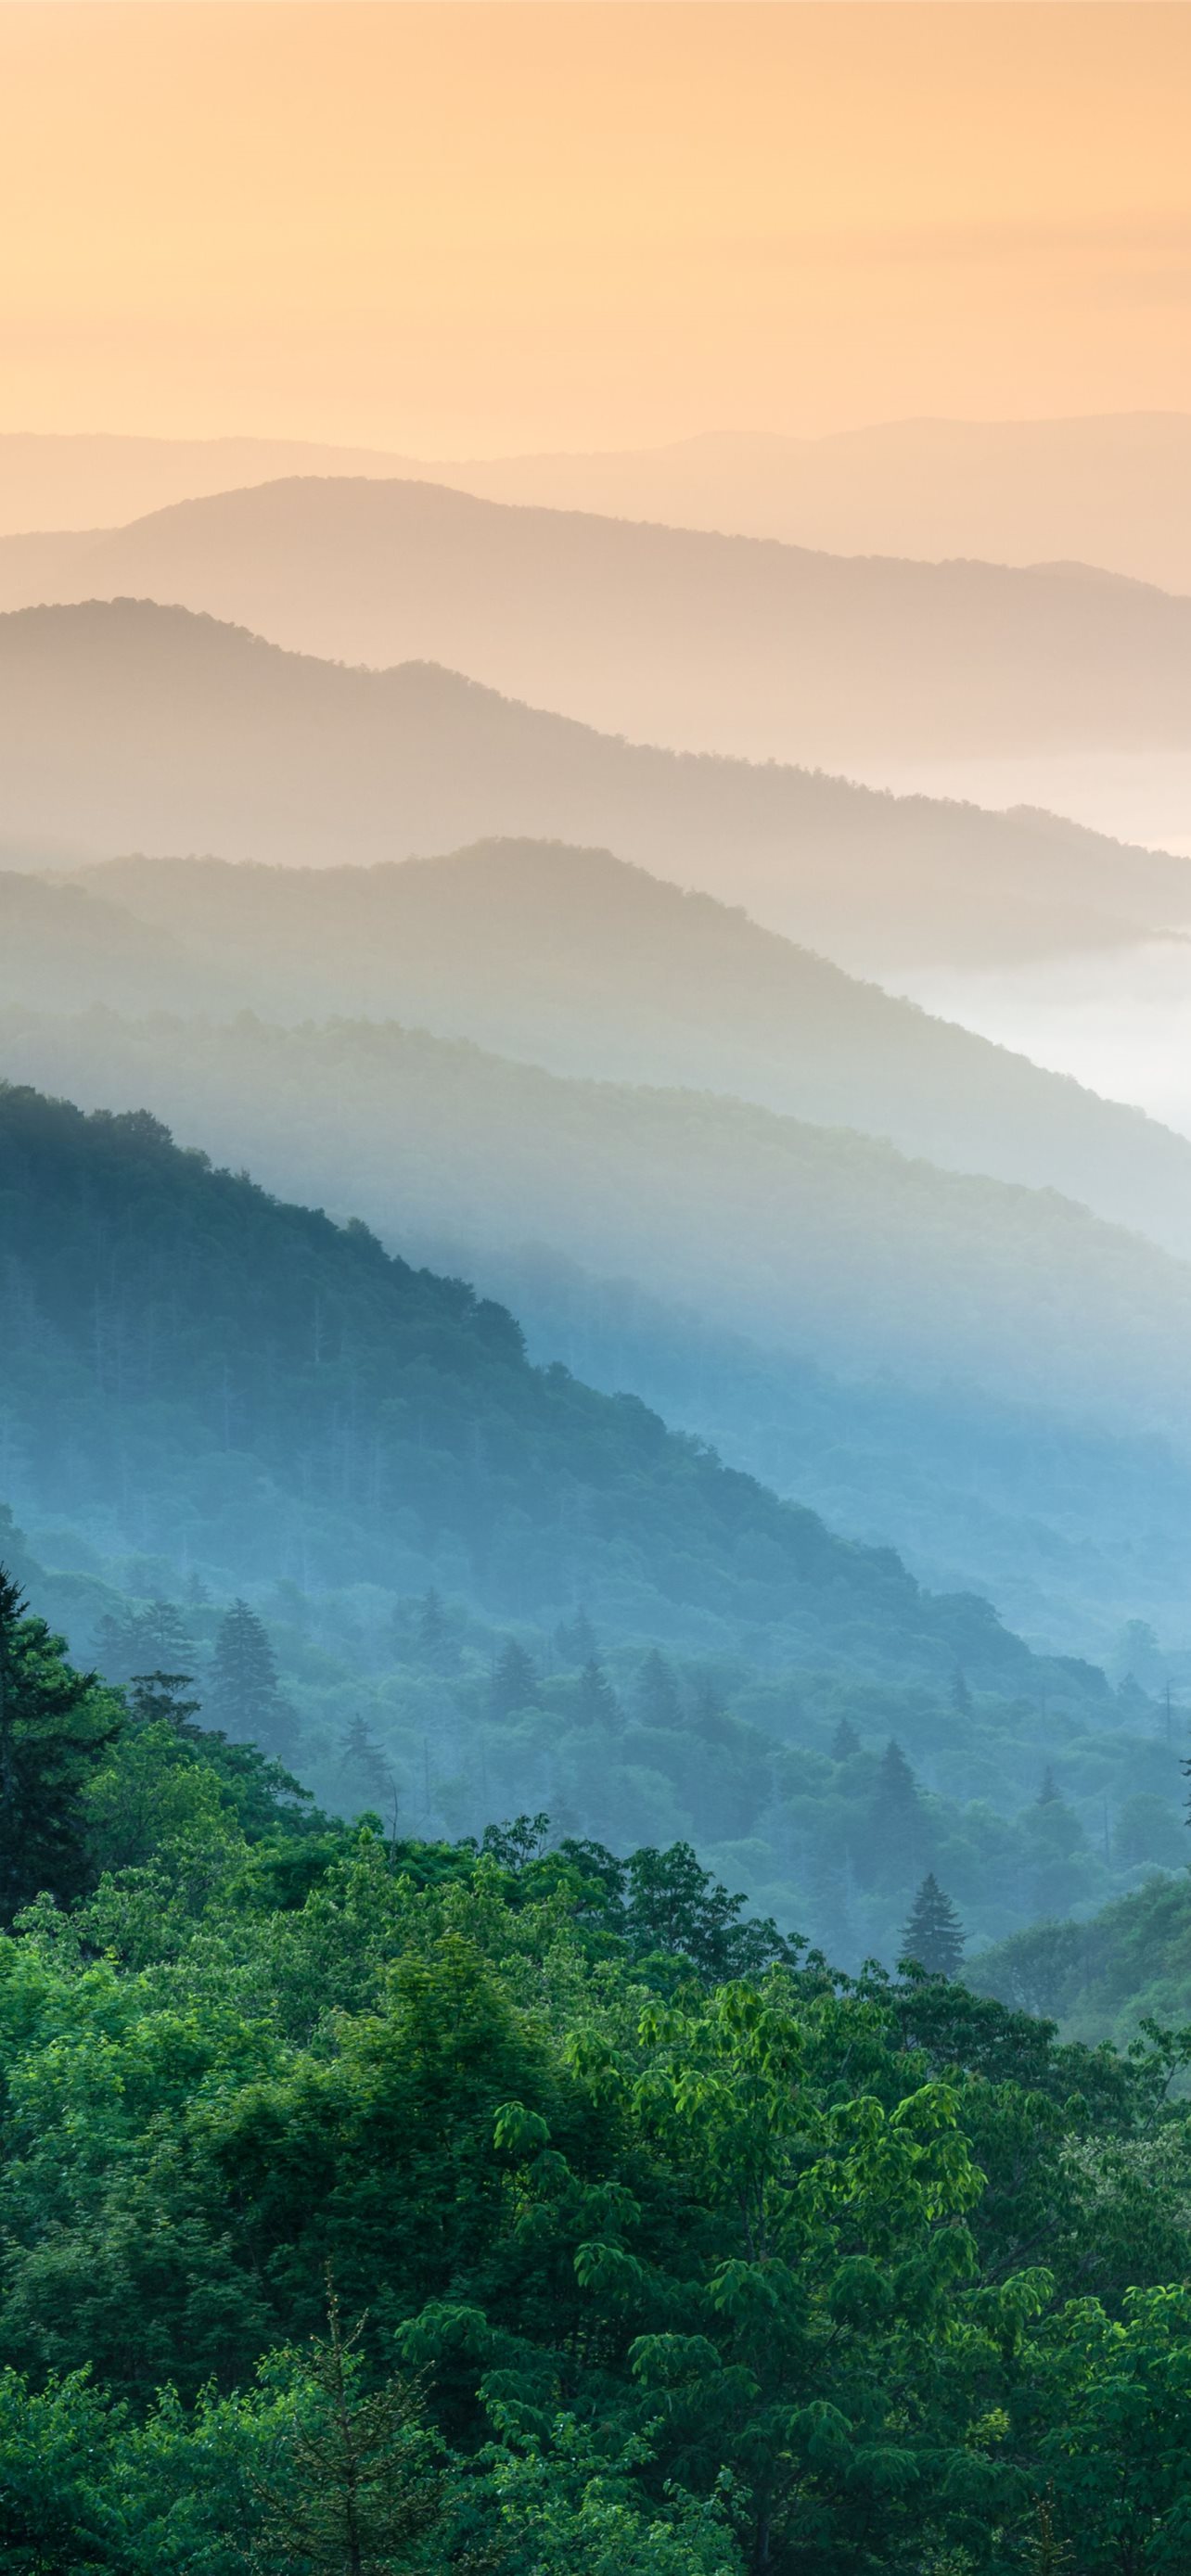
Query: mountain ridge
[(124, 725)]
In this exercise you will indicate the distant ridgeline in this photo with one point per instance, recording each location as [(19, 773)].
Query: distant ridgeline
[(192, 1368)]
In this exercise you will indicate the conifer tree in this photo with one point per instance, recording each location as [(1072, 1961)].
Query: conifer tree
[(54, 1726), (961, 1697), (435, 1643), (363, 2487), (595, 1702), (514, 1682), (1049, 1791), (245, 1696), (934, 1936), (845, 1741), (577, 1641), (658, 1700), (163, 1698), (362, 1761)]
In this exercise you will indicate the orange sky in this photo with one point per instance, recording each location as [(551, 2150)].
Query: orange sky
[(453, 228)]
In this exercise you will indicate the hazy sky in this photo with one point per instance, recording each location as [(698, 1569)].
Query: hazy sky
[(471, 227)]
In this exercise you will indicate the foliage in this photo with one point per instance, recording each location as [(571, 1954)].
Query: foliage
[(662, 2248)]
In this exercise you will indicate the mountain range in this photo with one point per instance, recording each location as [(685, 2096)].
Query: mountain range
[(576, 961), (128, 726), (248, 1383), (668, 635), (1107, 490)]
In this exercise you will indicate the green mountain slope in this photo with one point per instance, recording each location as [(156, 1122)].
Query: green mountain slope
[(193, 1367), (126, 726), (810, 1240)]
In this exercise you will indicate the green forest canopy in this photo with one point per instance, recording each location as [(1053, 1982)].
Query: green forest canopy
[(381, 2205)]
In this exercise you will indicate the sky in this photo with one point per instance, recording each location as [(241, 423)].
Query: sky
[(475, 229)]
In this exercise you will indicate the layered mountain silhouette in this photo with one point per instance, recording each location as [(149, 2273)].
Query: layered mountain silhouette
[(691, 640), (261, 1386), (126, 726), (813, 1240), (588, 966), (1108, 490)]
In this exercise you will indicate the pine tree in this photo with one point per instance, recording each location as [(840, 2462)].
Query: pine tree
[(362, 2487), (245, 1696), (961, 1697), (514, 1682), (162, 1631), (1049, 1792), (658, 1699), (934, 1936), (362, 1762), (595, 1702), (54, 1726), (435, 1643), (845, 1741), (576, 1641), (895, 1845), (156, 1699)]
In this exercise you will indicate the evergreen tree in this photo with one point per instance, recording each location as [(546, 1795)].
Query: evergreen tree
[(245, 1696), (362, 1762), (162, 1629), (934, 1936), (362, 2487), (845, 1741), (658, 1700), (576, 1641), (514, 1682), (1049, 1791), (435, 1644), (595, 1702), (961, 1697), (896, 1842), (54, 1726), (161, 1698)]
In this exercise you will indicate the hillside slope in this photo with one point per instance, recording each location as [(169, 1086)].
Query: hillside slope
[(578, 962), (810, 1240), (222, 1377), (686, 638), (126, 726)]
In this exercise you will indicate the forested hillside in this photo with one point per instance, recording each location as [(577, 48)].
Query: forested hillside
[(481, 1580), (179, 1348), (576, 961), (810, 1240), (128, 726), (525, 2206)]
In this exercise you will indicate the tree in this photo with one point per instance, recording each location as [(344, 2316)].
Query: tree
[(514, 1682), (55, 1724), (845, 1741), (934, 1937), (517, 1843), (161, 1698), (245, 1695), (363, 1762), (435, 1643), (658, 1700), (363, 2487), (961, 1697), (676, 1906), (595, 1702), (576, 1640)]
